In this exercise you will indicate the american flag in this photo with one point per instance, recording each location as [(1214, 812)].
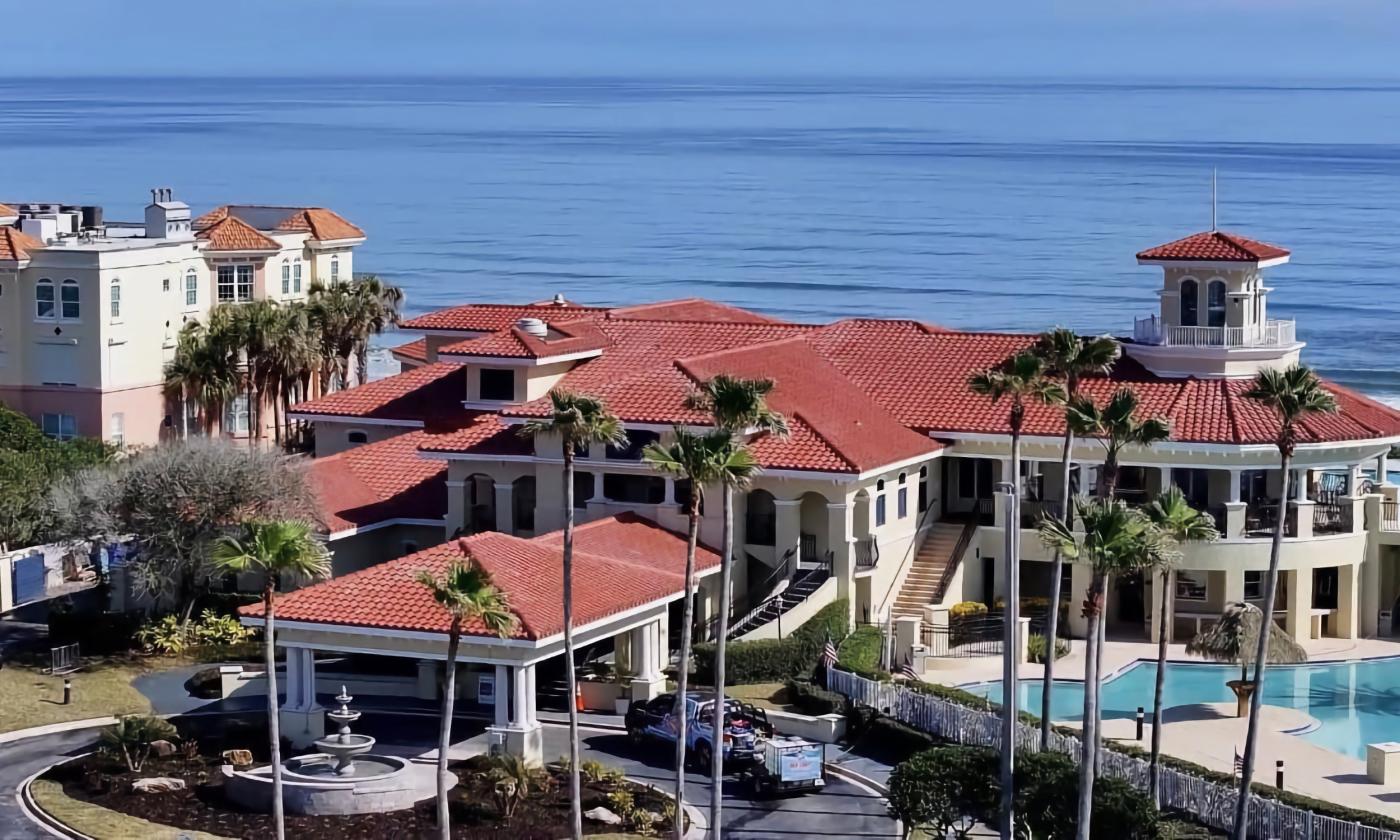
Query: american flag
[(907, 671), (829, 654), (1239, 764)]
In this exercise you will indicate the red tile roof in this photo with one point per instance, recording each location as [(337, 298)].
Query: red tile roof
[(1214, 246), (323, 225), (489, 317), (692, 309), (564, 338), (430, 394), (16, 245), (234, 234), (620, 563), (7, 210), (485, 434), (377, 482), (414, 351)]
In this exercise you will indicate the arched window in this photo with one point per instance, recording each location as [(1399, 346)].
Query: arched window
[(923, 489), (760, 518), (191, 288), (1190, 306), (356, 436), (69, 299), (116, 298), (1215, 303), (44, 299)]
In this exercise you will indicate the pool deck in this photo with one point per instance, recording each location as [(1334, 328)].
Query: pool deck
[(1210, 734)]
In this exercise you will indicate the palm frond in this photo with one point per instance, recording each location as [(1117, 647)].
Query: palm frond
[(1234, 638)]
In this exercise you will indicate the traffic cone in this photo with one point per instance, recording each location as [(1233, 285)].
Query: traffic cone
[(578, 697)]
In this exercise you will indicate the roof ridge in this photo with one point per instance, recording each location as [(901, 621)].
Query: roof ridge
[(742, 348), (827, 441)]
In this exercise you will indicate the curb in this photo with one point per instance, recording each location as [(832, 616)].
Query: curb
[(849, 775), (37, 815)]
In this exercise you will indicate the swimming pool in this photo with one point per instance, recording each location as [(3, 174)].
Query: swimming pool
[(1355, 703)]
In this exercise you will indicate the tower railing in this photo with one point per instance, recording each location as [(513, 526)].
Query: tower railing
[(1272, 333)]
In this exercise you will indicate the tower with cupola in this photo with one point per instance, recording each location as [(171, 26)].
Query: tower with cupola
[(1213, 317)]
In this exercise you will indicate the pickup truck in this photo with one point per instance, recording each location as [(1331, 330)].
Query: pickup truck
[(744, 727)]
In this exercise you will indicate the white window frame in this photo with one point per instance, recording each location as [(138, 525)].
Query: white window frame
[(165, 284), (191, 289), (286, 277), (116, 430), (59, 426), (237, 417), (296, 277), (46, 284), (115, 300), (335, 268), (236, 286), (63, 301)]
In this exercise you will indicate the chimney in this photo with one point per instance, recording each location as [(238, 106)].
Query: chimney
[(532, 326), (167, 218)]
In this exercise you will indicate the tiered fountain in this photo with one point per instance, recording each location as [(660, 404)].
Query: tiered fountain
[(333, 781)]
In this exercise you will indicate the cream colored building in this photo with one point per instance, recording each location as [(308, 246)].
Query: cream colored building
[(91, 308)]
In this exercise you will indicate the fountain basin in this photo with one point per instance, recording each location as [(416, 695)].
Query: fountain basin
[(311, 786), (344, 747)]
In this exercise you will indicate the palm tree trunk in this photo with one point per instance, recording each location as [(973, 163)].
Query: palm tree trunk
[(276, 415), (683, 663), (1098, 689), (1154, 762), (449, 699), (575, 789), (717, 753), (274, 732), (1010, 647), (362, 363), (1091, 711), (1261, 657), (184, 414), (1052, 627), (248, 394)]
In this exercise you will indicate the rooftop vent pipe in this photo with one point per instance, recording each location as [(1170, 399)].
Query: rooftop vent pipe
[(532, 326)]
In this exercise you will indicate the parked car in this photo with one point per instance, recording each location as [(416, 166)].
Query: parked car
[(787, 765), (745, 727)]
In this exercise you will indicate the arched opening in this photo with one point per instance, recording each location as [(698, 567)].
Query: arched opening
[(480, 491), (812, 536), (760, 518), (1190, 304), (523, 504), (1215, 303)]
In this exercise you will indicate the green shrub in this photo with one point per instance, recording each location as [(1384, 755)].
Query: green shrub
[(1121, 811), (944, 789), (860, 651), (169, 635), (1035, 648), (131, 737), (776, 660), (1046, 805), (814, 700), (883, 738)]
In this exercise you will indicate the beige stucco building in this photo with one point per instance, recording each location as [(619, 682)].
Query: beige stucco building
[(92, 307)]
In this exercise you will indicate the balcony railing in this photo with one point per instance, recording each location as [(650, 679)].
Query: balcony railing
[(1390, 516), (867, 552), (1332, 518), (1272, 333)]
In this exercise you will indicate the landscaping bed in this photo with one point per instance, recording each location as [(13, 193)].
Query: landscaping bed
[(541, 814)]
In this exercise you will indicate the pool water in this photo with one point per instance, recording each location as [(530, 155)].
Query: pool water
[(1355, 703)]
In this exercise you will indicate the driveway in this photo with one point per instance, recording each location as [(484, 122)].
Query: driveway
[(842, 810)]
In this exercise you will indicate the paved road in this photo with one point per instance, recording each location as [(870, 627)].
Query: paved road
[(842, 810)]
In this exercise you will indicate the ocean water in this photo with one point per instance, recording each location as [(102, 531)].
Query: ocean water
[(972, 203)]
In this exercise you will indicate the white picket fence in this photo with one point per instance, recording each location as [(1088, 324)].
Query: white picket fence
[(1210, 802)]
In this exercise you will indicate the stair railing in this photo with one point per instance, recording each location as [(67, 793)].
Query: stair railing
[(746, 605), (954, 560), (925, 520)]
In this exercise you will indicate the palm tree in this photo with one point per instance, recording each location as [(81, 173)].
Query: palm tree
[(466, 592), (1115, 539), (578, 421), (1180, 523), (205, 367), (278, 549), (255, 324), (700, 459), (377, 306), (1116, 425), (1019, 379), (1294, 394), (1070, 357), (738, 406), (332, 313), (290, 353)]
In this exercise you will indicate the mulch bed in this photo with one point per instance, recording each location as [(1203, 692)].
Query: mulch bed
[(106, 782)]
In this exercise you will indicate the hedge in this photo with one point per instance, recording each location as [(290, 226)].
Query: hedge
[(861, 650), (777, 660)]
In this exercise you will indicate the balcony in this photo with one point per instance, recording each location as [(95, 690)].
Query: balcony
[(1272, 333)]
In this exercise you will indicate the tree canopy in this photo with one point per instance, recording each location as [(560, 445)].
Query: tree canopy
[(30, 464)]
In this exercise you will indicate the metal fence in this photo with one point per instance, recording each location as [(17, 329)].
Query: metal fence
[(965, 638), (1212, 803)]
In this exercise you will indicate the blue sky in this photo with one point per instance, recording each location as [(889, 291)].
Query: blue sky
[(1199, 39)]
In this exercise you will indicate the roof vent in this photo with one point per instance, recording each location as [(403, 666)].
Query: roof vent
[(559, 299), (532, 326)]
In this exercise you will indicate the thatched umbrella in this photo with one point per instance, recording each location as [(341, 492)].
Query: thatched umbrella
[(1235, 637)]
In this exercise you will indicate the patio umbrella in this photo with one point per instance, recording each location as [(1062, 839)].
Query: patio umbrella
[(1235, 637)]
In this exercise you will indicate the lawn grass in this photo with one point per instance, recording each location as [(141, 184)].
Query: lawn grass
[(101, 823), (102, 688), (769, 695)]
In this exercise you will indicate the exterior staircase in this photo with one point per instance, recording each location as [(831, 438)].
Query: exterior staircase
[(940, 552), (808, 579)]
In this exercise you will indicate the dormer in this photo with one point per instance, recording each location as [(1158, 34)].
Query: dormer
[(521, 363), (1213, 319), (167, 218)]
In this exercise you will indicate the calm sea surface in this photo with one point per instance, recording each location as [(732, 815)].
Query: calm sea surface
[(975, 204)]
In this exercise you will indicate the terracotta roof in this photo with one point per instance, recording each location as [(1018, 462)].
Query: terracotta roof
[(564, 338), (1214, 246), (416, 351), (485, 434), (324, 225), (379, 481), (7, 210), (430, 394), (234, 234), (218, 214), (620, 563), (691, 309), (16, 245), (489, 317)]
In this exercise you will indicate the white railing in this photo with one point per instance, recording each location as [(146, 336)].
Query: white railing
[(1151, 330), (1212, 803)]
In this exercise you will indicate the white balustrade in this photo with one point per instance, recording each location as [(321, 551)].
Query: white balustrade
[(1272, 333)]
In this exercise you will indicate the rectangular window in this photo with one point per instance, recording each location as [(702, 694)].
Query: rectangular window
[(236, 416), (165, 284), (116, 304), (286, 278), (60, 426), (637, 440), (117, 430), (879, 510), (903, 502), (245, 283), (296, 277), (191, 289), (335, 269), (967, 480), (583, 489), (634, 489), (235, 283), (1253, 586), (68, 296), (1191, 586), (43, 300), (497, 384), (225, 284)]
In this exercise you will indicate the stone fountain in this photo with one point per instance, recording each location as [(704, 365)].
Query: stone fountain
[(332, 781), (344, 745)]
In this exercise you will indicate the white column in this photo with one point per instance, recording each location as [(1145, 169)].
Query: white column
[(647, 661), (1164, 479), (670, 492), (505, 510), (789, 526), (530, 690), (598, 486), (522, 676), (1235, 476), (302, 720), (1383, 468), (503, 691)]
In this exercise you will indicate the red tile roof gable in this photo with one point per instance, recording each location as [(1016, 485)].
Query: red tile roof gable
[(1214, 246)]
